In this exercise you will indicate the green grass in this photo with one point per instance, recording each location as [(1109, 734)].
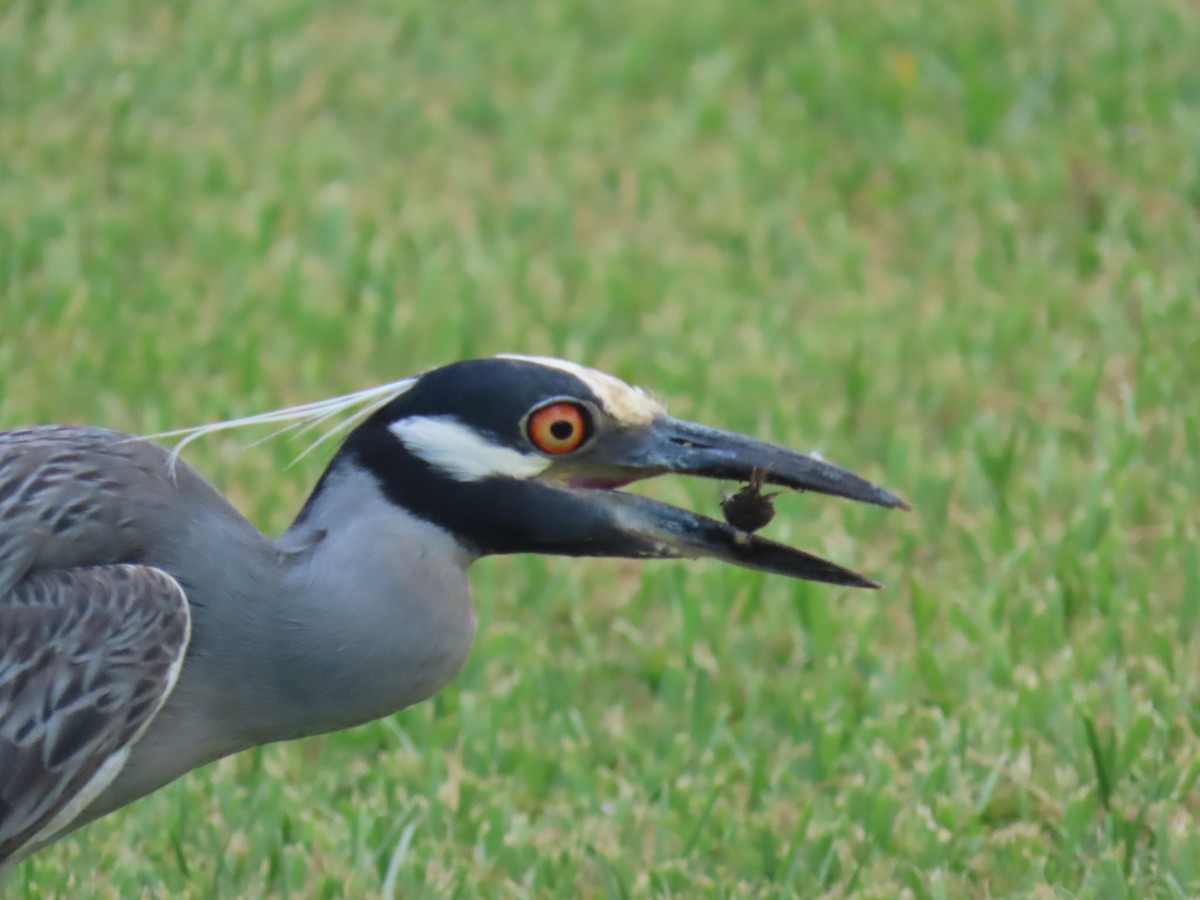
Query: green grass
[(954, 245)]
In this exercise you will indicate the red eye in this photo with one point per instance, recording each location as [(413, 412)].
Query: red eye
[(559, 427)]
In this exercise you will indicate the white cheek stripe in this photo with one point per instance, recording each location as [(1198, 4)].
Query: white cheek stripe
[(462, 452)]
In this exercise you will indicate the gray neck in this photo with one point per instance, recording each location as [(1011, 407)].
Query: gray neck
[(379, 605), (357, 611)]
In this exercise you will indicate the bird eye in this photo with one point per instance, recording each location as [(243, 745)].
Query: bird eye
[(559, 427)]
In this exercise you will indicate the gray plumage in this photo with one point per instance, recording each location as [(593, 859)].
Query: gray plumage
[(278, 649), (89, 656)]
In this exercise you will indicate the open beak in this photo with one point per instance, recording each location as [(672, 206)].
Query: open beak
[(631, 525)]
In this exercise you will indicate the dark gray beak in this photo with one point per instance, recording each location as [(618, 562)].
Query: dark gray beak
[(629, 525)]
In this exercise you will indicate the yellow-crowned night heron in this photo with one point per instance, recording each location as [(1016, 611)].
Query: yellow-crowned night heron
[(147, 628)]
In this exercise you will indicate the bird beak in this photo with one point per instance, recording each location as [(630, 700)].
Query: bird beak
[(630, 525)]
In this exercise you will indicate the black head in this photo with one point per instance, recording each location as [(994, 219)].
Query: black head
[(524, 455)]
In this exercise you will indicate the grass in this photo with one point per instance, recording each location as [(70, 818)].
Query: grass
[(953, 245)]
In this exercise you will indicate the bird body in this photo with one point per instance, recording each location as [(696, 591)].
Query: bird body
[(147, 628), (279, 648)]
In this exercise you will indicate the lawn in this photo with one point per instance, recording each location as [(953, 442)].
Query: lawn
[(955, 246)]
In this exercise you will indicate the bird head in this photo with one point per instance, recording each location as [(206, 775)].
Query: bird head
[(527, 455)]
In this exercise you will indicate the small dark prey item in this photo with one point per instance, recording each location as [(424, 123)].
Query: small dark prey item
[(750, 509)]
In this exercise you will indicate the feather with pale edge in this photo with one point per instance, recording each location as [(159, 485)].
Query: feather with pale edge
[(88, 657)]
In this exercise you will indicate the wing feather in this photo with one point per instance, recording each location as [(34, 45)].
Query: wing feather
[(87, 658)]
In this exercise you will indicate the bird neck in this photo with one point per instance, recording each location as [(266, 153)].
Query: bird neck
[(356, 612), (374, 613)]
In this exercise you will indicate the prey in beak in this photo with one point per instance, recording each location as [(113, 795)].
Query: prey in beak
[(667, 445), (750, 509), (528, 454)]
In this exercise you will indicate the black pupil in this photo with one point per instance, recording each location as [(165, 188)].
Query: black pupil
[(562, 429)]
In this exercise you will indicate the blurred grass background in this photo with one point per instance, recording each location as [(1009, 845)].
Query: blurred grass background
[(953, 245)]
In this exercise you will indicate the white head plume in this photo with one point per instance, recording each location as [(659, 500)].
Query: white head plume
[(348, 410)]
